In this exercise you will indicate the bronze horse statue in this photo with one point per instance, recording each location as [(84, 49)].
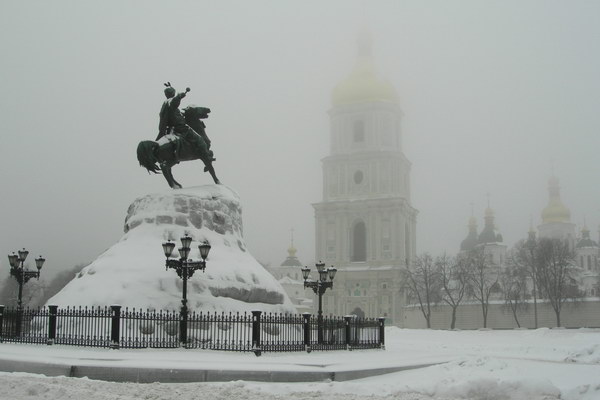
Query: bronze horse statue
[(162, 155)]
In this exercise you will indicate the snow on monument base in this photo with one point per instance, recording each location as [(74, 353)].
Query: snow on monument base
[(132, 272)]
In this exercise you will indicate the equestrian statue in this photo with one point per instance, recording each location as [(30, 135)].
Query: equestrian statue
[(181, 137)]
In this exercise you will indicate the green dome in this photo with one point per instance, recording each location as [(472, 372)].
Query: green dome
[(585, 240), (470, 241)]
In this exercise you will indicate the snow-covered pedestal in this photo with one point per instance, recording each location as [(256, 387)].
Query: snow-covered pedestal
[(132, 272)]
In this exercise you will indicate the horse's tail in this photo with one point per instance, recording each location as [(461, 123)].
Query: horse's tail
[(147, 157)]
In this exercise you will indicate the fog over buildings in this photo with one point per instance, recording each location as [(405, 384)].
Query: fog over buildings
[(495, 97)]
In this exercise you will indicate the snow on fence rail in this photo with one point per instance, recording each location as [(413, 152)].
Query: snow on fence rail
[(116, 327)]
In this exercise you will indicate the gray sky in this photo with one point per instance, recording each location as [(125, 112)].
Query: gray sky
[(491, 92)]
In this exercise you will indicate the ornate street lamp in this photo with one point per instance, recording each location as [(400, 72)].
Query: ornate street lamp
[(319, 287), (22, 275), (185, 268)]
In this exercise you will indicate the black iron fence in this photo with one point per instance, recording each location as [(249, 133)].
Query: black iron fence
[(116, 327)]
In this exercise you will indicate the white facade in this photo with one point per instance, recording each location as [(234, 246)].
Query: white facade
[(587, 257), (558, 230), (496, 254)]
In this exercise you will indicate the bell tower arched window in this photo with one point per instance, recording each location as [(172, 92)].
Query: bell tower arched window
[(359, 242)]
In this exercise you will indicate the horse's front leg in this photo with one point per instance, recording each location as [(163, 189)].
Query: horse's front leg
[(211, 170), (166, 170)]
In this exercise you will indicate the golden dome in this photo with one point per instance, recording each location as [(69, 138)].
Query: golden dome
[(555, 211), (292, 251), (362, 84)]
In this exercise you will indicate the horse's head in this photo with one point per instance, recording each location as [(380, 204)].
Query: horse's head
[(194, 113)]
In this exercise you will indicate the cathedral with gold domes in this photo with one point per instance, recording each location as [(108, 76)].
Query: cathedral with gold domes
[(556, 224), (489, 239), (365, 224)]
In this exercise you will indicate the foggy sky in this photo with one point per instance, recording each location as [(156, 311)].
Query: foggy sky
[(492, 94)]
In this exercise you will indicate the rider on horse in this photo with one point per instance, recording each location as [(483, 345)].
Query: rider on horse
[(191, 142), (171, 121)]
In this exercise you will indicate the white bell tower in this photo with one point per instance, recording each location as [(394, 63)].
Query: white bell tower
[(366, 213), (365, 223)]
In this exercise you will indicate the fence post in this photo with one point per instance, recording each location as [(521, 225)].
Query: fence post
[(347, 332), (53, 310), (306, 328), (115, 326), (256, 332), (382, 333), (19, 319), (183, 326), (1, 322)]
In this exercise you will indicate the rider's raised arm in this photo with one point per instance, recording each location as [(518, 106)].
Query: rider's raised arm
[(176, 100)]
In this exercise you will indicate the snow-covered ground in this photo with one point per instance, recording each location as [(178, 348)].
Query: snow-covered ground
[(486, 365)]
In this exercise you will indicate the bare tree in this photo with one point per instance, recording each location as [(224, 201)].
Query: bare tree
[(482, 279), (33, 292), (36, 292), (523, 256), (557, 273), (422, 282), (513, 282), (453, 279)]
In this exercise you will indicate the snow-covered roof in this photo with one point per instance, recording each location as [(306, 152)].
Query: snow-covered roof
[(286, 280)]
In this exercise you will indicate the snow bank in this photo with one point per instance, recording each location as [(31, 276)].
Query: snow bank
[(476, 365)]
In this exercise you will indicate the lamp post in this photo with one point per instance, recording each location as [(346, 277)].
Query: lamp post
[(22, 275), (185, 269), (319, 287)]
